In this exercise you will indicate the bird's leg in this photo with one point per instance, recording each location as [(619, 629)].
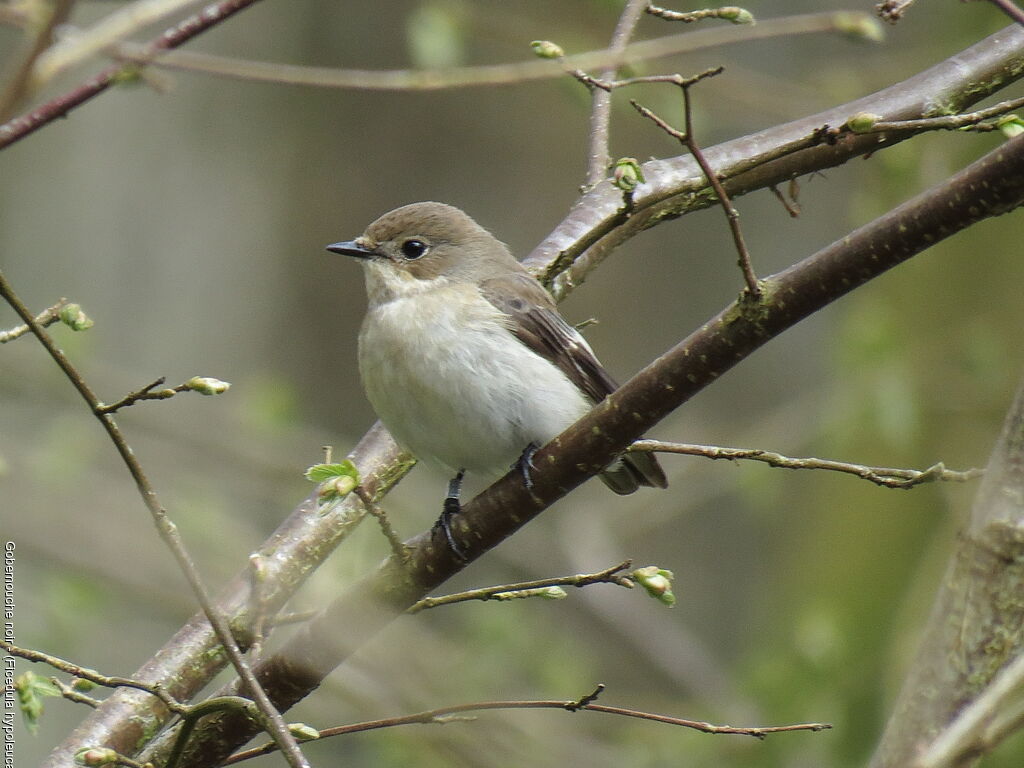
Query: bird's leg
[(451, 508), (525, 463)]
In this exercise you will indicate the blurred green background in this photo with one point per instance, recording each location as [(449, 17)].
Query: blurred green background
[(190, 224)]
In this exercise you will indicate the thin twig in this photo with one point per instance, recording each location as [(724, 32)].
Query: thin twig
[(44, 319), (398, 549), (146, 393), (599, 156), (118, 25), (93, 676), (686, 138), (948, 122), (892, 10), (168, 531), (607, 576), (1010, 9), (791, 205), (20, 84), (493, 74), (888, 477), (71, 694), (20, 127), (204, 385), (688, 17), (439, 717)]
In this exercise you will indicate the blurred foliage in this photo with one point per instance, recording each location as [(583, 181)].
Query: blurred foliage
[(191, 226)]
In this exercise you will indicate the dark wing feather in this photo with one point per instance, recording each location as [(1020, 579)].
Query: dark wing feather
[(535, 321)]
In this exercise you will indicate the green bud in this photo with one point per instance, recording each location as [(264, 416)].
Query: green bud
[(736, 15), (336, 489), (863, 122), (31, 689), (74, 318), (545, 49), (860, 26), (303, 732), (1010, 126), (627, 174), (658, 583), (129, 74), (552, 593), (82, 685), (206, 385), (96, 756)]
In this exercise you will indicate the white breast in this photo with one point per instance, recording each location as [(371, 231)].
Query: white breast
[(453, 385)]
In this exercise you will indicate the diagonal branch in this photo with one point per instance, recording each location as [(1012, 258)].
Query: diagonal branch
[(20, 127), (20, 84)]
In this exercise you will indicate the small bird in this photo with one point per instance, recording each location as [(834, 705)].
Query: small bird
[(464, 356)]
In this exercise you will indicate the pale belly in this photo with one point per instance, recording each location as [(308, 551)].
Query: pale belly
[(469, 395)]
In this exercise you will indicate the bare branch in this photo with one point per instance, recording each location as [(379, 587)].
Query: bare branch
[(607, 576), (1010, 9), (75, 47), (93, 676), (19, 86), (585, 704), (44, 319), (887, 477), (686, 138), (496, 74), (20, 127), (598, 156)]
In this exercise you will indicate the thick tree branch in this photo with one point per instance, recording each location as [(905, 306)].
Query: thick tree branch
[(974, 633), (989, 187)]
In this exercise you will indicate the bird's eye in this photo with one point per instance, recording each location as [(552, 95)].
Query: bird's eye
[(413, 249)]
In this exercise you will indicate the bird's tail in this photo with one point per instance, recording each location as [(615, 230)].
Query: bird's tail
[(627, 473)]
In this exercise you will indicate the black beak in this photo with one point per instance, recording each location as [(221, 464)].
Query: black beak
[(350, 248)]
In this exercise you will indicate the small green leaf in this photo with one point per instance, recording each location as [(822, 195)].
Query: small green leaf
[(1011, 126), (320, 473), (31, 690), (336, 480)]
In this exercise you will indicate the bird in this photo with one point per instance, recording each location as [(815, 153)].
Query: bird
[(464, 356)]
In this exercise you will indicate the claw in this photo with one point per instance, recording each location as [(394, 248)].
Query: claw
[(525, 463), (451, 508)]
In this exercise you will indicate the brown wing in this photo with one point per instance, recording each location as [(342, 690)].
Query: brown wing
[(536, 323)]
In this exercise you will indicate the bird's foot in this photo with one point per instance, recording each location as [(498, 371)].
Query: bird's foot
[(451, 508), (525, 463)]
